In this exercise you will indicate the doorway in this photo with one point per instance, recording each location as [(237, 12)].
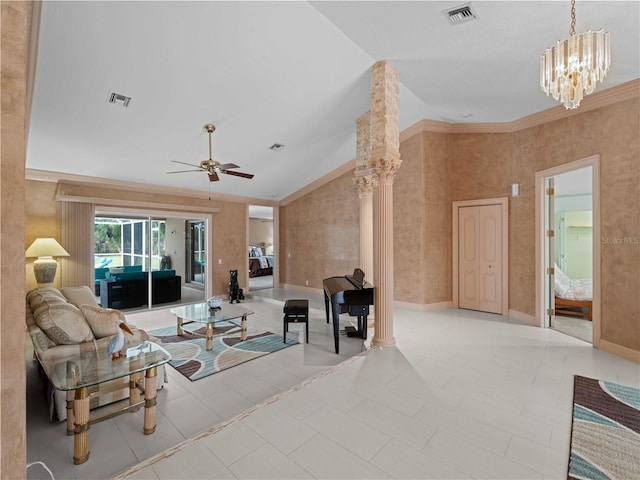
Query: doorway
[(196, 252), (480, 255), (568, 250), (261, 247)]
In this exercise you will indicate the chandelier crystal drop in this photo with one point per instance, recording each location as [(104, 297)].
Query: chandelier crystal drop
[(572, 67)]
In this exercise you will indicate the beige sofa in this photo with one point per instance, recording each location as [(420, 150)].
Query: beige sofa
[(69, 321)]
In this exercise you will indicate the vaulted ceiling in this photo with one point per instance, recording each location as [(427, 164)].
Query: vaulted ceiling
[(293, 73)]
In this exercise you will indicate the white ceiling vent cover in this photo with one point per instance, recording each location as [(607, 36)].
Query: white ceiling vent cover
[(119, 99), (461, 14)]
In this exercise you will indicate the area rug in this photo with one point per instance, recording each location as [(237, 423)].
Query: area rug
[(190, 357), (605, 433)]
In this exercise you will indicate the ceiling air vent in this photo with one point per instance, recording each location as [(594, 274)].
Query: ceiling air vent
[(461, 14), (119, 99), (276, 147)]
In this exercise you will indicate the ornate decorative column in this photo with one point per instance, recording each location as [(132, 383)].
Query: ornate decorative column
[(384, 162), (365, 182)]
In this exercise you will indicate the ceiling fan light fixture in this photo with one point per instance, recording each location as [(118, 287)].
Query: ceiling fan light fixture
[(572, 67), (212, 167)]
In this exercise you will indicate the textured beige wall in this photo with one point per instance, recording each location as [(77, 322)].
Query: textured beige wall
[(613, 132), (437, 219), (319, 234), (408, 224), (439, 168), (229, 222), (14, 50), (480, 165), (260, 231)]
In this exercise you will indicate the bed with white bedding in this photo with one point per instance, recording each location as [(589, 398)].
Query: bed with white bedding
[(573, 297)]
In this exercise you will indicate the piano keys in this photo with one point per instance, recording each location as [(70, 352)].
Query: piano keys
[(348, 294)]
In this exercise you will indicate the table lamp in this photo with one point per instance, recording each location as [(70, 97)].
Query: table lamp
[(44, 268)]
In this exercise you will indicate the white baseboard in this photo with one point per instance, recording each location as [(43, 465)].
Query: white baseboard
[(523, 317), (619, 350), (420, 307), (300, 288)]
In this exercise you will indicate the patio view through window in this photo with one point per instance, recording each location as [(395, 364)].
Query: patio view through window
[(123, 242)]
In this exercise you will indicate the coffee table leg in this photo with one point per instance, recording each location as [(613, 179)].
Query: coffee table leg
[(70, 415), (243, 328), (81, 430), (209, 342), (150, 400), (134, 378), (73, 372), (179, 332)]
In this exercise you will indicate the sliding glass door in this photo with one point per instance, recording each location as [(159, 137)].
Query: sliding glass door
[(135, 264), (196, 252)]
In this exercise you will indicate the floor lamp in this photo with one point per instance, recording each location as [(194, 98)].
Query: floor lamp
[(44, 268)]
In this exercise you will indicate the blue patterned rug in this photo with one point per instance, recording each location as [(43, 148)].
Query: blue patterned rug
[(191, 358), (605, 434)]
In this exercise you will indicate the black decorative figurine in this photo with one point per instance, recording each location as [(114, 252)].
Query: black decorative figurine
[(235, 292)]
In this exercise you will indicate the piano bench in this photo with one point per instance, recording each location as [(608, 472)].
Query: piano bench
[(296, 311)]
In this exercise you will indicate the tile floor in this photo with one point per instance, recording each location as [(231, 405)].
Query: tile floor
[(462, 395)]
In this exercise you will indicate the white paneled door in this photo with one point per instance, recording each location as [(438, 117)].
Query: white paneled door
[(480, 258)]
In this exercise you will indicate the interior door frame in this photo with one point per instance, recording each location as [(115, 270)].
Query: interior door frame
[(276, 243), (504, 204), (540, 179)]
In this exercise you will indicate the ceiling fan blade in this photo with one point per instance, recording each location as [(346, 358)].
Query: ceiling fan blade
[(185, 163), (225, 166), (183, 171), (213, 177), (237, 174)]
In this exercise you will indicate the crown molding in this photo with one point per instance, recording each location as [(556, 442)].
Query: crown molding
[(350, 166), (619, 93), (603, 98), (56, 177)]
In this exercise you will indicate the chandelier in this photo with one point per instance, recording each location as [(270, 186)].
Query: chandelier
[(572, 67)]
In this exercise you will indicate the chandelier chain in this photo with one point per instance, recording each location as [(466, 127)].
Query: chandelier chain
[(572, 29)]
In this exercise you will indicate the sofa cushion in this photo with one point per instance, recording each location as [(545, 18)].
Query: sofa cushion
[(79, 295), (46, 295), (64, 324), (103, 321), (126, 276)]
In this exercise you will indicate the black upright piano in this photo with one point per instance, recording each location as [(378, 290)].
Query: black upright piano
[(348, 294)]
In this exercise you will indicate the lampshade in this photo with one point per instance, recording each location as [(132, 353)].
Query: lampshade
[(44, 268), (46, 247)]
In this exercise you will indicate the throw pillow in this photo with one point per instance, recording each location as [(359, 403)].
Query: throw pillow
[(64, 324), (79, 295), (46, 295), (103, 321)]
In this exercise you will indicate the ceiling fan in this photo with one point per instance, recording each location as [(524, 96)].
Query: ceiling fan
[(212, 167)]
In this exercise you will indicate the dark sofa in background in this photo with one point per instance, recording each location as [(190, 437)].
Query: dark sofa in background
[(129, 289)]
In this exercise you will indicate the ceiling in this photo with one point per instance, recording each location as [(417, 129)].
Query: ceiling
[(294, 73)]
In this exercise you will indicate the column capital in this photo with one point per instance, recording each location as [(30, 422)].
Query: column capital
[(365, 184), (384, 162)]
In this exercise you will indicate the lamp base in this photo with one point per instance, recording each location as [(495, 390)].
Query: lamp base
[(44, 269)]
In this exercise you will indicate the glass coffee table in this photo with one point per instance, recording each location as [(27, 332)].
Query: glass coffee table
[(77, 373), (201, 314)]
